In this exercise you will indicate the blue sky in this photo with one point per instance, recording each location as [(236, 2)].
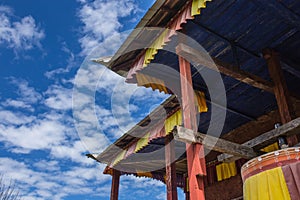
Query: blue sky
[(44, 48)]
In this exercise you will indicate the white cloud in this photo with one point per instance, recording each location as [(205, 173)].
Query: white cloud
[(14, 118), (17, 104), (52, 130), (101, 19), (47, 165), (27, 94), (55, 185), (49, 131), (40, 134), (64, 171), (58, 97), (74, 151), (19, 35)]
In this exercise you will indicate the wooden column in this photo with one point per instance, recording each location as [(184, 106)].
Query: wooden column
[(114, 194), (280, 90), (171, 181), (195, 152)]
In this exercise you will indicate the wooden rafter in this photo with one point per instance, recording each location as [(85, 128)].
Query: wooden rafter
[(201, 58), (288, 129), (281, 91), (280, 88)]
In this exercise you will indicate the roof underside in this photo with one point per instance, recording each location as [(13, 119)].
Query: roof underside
[(235, 32)]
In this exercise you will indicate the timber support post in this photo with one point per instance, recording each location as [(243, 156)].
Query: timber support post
[(186, 187), (171, 181), (194, 152), (281, 92), (114, 194)]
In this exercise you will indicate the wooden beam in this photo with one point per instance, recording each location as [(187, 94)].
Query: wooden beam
[(171, 181), (288, 129), (280, 88), (201, 58), (281, 92), (194, 152), (213, 143), (114, 193)]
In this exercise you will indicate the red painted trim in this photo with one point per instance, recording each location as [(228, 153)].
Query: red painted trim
[(195, 158), (171, 181)]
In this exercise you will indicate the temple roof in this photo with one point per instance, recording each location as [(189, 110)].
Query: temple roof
[(233, 32)]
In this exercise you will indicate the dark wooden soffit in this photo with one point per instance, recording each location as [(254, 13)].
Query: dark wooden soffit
[(275, 6)]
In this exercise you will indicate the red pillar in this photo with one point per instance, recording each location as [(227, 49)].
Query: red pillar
[(171, 181), (195, 152), (114, 194)]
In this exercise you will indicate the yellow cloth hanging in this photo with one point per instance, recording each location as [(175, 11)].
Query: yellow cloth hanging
[(176, 118), (197, 5), (158, 44), (119, 157), (145, 174), (142, 142), (200, 101), (226, 170), (149, 81), (153, 49), (267, 185), (173, 120), (270, 148), (149, 56)]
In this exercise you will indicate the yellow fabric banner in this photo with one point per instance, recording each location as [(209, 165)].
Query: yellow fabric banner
[(149, 81), (158, 44), (200, 101), (153, 49), (267, 185), (226, 170), (270, 148), (197, 5), (173, 120), (144, 174), (176, 118), (142, 142), (119, 158)]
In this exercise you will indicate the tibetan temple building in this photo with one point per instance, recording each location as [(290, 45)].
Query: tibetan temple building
[(230, 128)]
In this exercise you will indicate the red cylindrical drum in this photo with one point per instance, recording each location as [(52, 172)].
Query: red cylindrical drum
[(275, 175)]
